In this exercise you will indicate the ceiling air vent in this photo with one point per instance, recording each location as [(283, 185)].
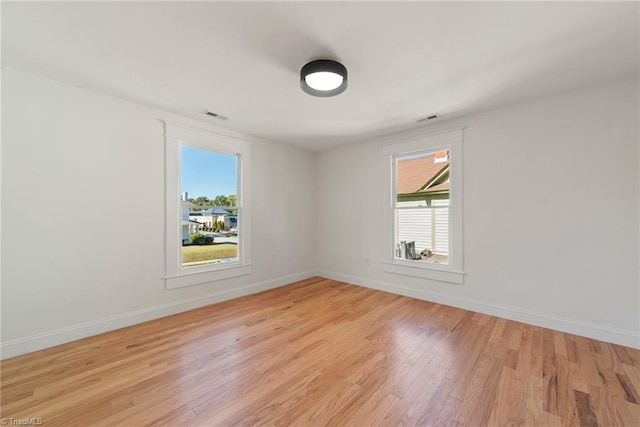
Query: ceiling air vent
[(424, 119), (212, 114)]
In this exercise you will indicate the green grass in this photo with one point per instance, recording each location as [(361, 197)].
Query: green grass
[(208, 252)]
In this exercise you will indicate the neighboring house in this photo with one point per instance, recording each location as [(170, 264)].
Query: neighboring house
[(233, 222), (188, 226), (424, 181), (208, 218)]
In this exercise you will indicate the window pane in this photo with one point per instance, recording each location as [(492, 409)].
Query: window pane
[(208, 182), (422, 207)]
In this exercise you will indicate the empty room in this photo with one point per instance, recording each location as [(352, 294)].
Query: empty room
[(320, 213)]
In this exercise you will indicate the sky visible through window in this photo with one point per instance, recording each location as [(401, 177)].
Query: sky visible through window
[(205, 173)]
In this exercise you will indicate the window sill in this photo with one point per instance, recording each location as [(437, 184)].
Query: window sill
[(425, 272), (199, 277)]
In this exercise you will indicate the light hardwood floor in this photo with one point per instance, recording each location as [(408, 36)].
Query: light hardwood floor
[(320, 352)]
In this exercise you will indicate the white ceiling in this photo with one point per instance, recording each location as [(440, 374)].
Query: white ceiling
[(242, 60)]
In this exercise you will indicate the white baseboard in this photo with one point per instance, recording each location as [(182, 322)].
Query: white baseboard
[(60, 336), (576, 327)]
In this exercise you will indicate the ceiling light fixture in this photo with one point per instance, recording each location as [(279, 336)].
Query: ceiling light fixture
[(323, 77)]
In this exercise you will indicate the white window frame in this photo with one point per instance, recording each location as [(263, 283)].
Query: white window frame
[(177, 136), (453, 272)]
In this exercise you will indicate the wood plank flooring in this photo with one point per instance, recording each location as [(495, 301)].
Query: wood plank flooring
[(321, 352)]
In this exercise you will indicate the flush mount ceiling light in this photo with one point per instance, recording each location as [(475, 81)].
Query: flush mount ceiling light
[(323, 77)]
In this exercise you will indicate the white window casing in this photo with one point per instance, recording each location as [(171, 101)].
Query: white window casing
[(177, 136), (453, 272)]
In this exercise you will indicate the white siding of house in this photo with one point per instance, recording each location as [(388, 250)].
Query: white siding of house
[(419, 224), (186, 229), (441, 227), (415, 224)]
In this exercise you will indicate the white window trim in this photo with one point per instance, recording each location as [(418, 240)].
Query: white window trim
[(453, 272), (176, 136)]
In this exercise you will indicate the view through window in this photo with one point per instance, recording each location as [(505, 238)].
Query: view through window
[(209, 207), (422, 207)]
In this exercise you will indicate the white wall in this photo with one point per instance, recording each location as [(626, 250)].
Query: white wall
[(550, 214), (70, 154)]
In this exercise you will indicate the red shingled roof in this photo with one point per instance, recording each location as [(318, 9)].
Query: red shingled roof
[(414, 174)]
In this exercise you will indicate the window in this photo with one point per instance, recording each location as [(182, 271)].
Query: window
[(207, 212), (423, 207), (209, 215)]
